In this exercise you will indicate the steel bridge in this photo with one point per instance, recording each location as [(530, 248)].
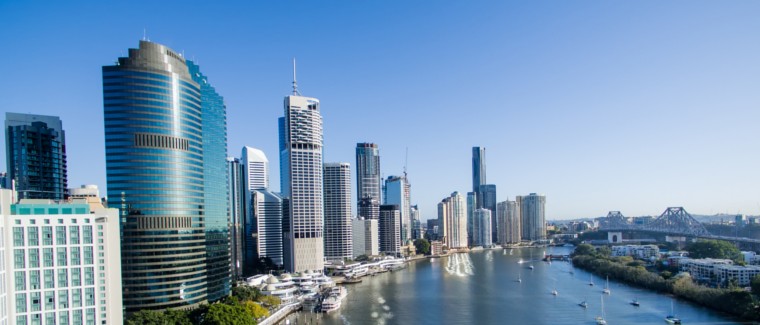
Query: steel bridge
[(674, 221)]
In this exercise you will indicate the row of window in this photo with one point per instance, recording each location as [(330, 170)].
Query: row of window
[(62, 235)]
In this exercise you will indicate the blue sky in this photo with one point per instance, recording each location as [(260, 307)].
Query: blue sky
[(601, 105)]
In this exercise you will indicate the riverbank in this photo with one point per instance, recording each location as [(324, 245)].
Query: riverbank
[(736, 302)]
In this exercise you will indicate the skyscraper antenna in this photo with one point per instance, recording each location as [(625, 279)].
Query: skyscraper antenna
[(295, 84), (145, 34)]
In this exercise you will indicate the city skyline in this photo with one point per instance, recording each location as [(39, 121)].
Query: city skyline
[(631, 122)]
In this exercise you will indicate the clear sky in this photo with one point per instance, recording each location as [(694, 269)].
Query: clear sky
[(601, 105)]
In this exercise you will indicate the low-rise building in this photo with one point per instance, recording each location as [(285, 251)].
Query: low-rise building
[(702, 269), (436, 247), (637, 251), (742, 274)]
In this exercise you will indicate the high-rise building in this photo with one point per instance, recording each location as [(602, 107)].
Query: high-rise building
[(452, 211), (256, 168), (237, 196), (508, 215), (397, 192), (417, 232), (478, 172), (368, 181), (482, 227), (368, 207), (365, 236), (389, 226), (337, 194), (35, 148), (301, 179), (472, 205), (71, 250), (532, 216), (4, 181), (159, 108), (263, 230), (488, 195), (216, 209), (432, 229)]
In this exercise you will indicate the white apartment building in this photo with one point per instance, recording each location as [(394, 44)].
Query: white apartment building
[(365, 237), (636, 251), (702, 269), (63, 262)]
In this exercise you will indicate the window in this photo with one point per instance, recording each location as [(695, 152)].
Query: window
[(63, 318), (50, 301), (89, 276), (89, 296), (74, 235), (76, 298), (34, 258), (76, 277), (49, 279), (63, 298), (49, 318), (21, 303), (75, 256), (34, 280), (63, 278), (35, 301), (61, 253), (18, 236), (33, 234), (18, 258), (60, 235), (20, 280), (47, 235), (47, 257), (87, 234), (88, 255)]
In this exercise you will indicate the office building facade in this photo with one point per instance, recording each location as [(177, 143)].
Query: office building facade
[(452, 211), (237, 203), (478, 172), (301, 178), (482, 228), (532, 216), (368, 181), (337, 194), (398, 192), (389, 228), (509, 221), (488, 195), (36, 155), (256, 168), (159, 108), (263, 230), (365, 236)]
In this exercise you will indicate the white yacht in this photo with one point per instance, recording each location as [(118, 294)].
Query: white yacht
[(672, 319), (339, 291), (330, 304), (600, 319), (607, 286)]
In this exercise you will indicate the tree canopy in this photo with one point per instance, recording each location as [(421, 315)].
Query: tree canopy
[(223, 314), (714, 249), (422, 246)]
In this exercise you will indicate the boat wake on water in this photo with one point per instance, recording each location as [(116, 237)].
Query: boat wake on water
[(460, 264)]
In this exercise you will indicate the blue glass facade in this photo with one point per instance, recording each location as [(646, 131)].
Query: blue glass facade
[(36, 155), (156, 169), (214, 117)]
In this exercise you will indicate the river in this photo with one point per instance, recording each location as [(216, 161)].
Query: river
[(482, 288)]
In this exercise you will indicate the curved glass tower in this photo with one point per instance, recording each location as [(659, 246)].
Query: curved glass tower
[(158, 119)]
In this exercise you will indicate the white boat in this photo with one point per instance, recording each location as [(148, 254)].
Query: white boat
[(635, 302), (330, 304), (583, 304), (672, 319), (600, 319), (339, 292), (530, 267), (591, 280), (555, 292), (607, 286)]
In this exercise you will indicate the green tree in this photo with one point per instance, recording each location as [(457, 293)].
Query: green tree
[(147, 317), (178, 317), (223, 314), (755, 284), (584, 249), (244, 293), (255, 310), (422, 246), (361, 258), (714, 249), (270, 301)]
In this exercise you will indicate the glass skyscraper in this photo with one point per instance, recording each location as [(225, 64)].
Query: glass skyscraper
[(165, 134), (368, 181), (238, 211), (36, 155), (478, 173), (337, 189)]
